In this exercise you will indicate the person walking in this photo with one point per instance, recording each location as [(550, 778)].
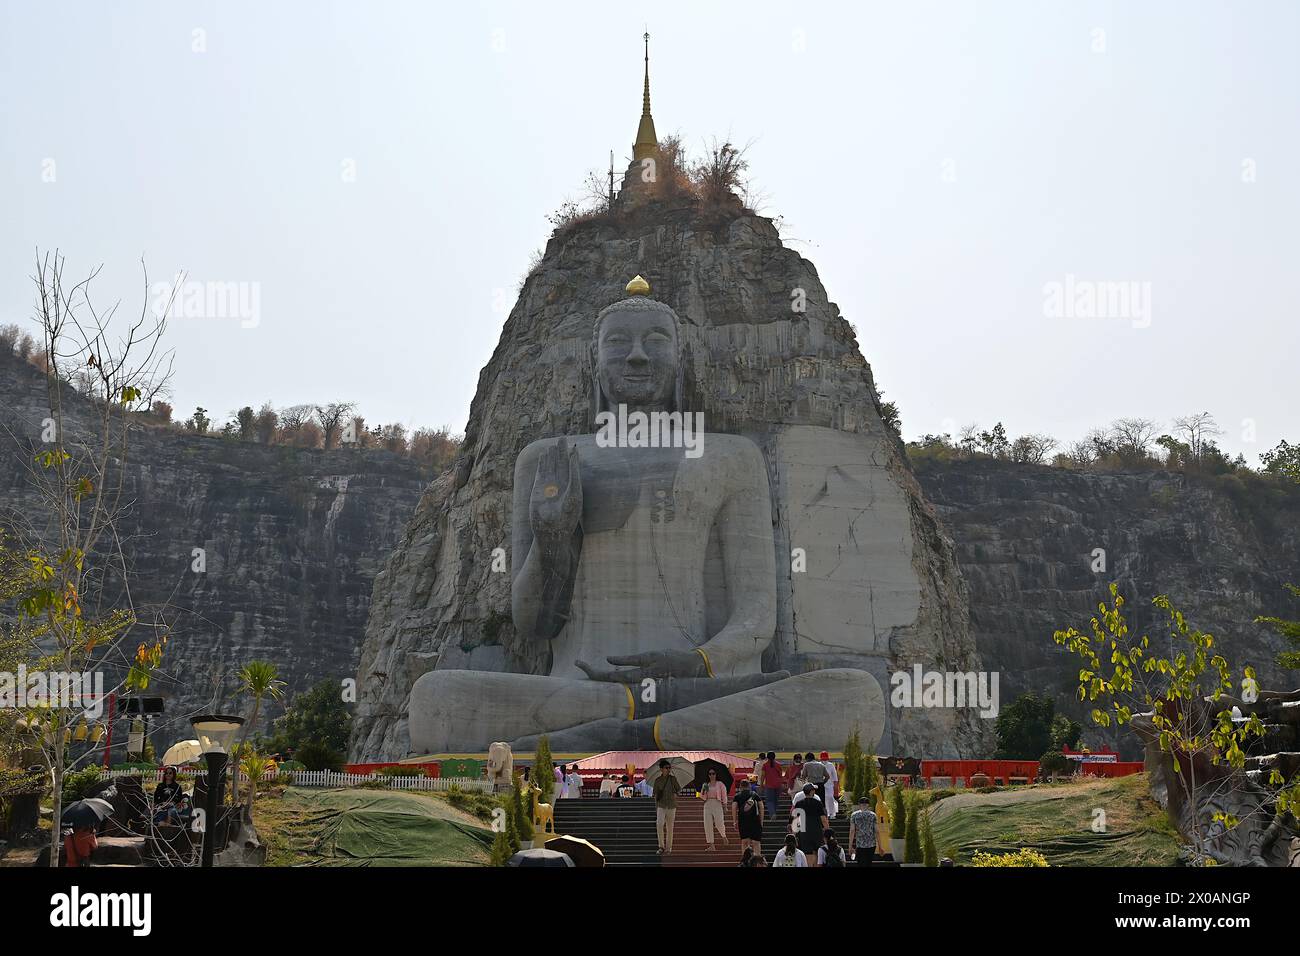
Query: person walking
[(747, 817), (862, 832), (715, 801), (625, 788), (808, 820), (773, 776), (794, 777), (830, 853), (665, 791), (832, 786), (573, 783), (815, 772), (790, 854)]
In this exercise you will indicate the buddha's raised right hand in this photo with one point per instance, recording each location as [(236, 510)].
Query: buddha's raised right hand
[(555, 507)]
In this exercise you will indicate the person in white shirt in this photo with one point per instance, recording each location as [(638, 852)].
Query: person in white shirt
[(715, 802), (608, 785), (830, 851), (573, 783), (832, 787), (790, 854)]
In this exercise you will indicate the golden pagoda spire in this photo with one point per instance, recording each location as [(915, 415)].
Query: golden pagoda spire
[(646, 142)]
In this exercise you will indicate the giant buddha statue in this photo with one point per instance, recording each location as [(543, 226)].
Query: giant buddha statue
[(649, 567)]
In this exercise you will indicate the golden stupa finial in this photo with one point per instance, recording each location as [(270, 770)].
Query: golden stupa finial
[(646, 142), (638, 286)]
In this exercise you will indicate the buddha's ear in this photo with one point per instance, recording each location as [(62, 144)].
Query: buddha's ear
[(597, 398), (679, 387)]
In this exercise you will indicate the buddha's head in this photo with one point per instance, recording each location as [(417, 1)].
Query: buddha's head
[(636, 350)]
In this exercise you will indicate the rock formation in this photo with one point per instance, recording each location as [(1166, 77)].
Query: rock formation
[(881, 590), (1026, 536), (293, 539)]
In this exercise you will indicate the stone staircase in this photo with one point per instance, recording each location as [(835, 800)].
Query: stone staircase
[(625, 831)]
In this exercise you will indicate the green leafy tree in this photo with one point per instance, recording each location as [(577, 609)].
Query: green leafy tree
[(1024, 728), (1121, 675), (1065, 733), (1289, 630), (319, 714), (501, 850), (853, 764), (1054, 762), (543, 772), (314, 755), (870, 771), (520, 813), (259, 680), (1282, 461), (897, 813), (67, 605), (199, 421), (929, 853), (912, 833), (247, 423)]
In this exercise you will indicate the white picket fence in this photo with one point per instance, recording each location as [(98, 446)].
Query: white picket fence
[(331, 778)]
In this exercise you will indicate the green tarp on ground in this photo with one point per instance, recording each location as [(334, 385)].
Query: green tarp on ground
[(1092, 823), (378, 828)]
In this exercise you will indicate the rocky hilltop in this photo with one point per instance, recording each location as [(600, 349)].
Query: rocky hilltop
[(881, 590), (1025, 535), (293, 540)]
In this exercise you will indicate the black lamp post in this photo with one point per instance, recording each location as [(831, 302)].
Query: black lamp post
[(216, 735)]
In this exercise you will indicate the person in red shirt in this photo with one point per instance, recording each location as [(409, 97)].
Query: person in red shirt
[(773, 779), (80, 845), (794, 776)]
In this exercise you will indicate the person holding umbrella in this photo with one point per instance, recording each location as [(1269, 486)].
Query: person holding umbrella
[(80, 844), (84, 817)]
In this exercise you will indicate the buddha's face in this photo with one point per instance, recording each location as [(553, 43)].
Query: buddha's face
[(636, 359)]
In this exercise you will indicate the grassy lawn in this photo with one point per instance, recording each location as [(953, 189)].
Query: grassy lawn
[(1057, 820)]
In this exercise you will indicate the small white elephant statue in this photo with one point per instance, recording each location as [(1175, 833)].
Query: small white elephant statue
[(500, 765)]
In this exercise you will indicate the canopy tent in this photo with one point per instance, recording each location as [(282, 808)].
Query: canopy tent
[(612, 760)]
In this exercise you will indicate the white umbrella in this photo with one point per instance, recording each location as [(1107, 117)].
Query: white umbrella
[(681, 768), (183, 751)]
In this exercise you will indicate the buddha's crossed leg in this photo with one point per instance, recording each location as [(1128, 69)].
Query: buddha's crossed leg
[(453, 711)]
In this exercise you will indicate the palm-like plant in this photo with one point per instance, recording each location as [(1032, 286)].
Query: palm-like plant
[(260, 679)]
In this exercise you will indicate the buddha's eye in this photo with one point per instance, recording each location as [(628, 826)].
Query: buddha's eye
[(657, 338), (615, 339)]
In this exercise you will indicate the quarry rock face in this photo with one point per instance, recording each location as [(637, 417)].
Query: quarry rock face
[(865, 576), (1026, 537), (292, 539)]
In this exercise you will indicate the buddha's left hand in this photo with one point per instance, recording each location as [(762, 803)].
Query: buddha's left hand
[(652, 665)]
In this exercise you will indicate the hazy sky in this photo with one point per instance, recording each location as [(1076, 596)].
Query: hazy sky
[(380, 172)]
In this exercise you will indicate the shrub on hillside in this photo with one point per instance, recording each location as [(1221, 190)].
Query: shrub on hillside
[(1022, 857)]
